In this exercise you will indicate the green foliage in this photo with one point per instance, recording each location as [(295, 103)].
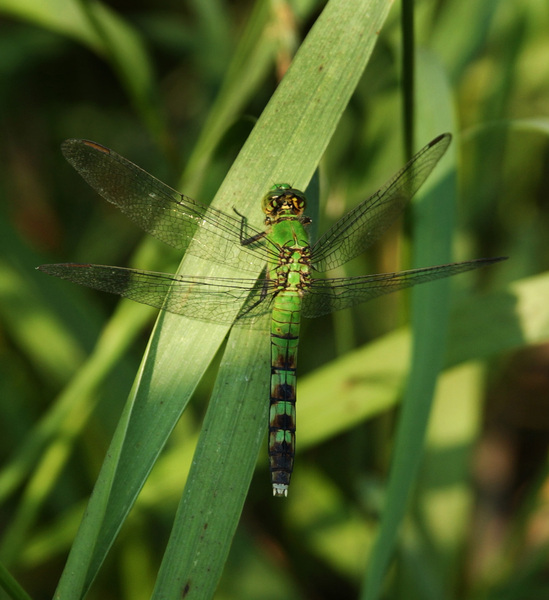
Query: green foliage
[(378, 507)]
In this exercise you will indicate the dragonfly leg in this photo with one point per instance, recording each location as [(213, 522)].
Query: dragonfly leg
[(244, 239), (262, 295)]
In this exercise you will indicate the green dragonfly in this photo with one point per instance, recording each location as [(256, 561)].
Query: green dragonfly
[(287, 287)]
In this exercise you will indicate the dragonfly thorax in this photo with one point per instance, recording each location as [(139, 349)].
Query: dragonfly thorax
[(283, 201)]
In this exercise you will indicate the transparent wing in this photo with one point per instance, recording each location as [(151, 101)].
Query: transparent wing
[(209, 299), (328, 295), (164, 212), (362, 226)]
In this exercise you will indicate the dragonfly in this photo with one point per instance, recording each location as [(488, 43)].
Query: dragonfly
[(288, 287)]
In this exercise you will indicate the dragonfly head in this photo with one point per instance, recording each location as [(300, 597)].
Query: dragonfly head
[(283, 200)]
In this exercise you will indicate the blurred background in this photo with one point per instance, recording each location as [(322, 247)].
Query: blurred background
[(176, 87)]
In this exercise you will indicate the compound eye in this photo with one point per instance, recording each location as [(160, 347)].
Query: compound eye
[(274, 203), (299, 204)]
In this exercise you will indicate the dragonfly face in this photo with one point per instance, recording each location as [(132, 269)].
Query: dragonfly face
[(283, 201)]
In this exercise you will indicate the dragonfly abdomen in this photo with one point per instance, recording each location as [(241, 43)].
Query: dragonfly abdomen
[(282, 421)]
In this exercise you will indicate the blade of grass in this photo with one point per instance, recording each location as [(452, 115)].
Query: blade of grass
[(11, 586), (250, 64), (232, 433), (63, 424), (408, 76), (433, 226), (443, 504), (285, 145), (104, 32), (127, 54)]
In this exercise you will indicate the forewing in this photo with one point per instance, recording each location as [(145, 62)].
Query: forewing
[(164, 212), (363, 225), (328, 295), (210, 299)]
